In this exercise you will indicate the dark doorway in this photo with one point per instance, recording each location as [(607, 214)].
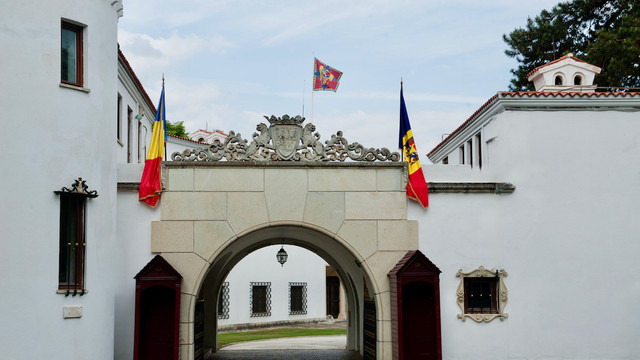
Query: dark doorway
[(415, 308), (419, 321), (157, 322), (333, 296), (157, 328)]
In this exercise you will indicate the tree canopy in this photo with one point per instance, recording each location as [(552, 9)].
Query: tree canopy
[(177, 129), (603, 33)]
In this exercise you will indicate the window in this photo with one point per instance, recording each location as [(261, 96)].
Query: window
[(129, 137), (297, 298), (119, 120), (260, 299), (558, 80), (479, 146), (223, 301), (482, 294), (470, 147), (71, 54), (71, 272), (140, 159), (577, 80), (445, 161), (462, 155)]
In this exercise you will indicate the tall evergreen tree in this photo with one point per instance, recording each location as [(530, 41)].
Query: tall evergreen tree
[(604, 33)]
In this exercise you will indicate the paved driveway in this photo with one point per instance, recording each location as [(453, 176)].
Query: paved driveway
[(306, 347)]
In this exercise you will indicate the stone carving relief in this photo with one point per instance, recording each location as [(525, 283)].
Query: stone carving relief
[(286, 140), (501, 292)]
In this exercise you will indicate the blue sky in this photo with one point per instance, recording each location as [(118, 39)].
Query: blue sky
[(228, 63)]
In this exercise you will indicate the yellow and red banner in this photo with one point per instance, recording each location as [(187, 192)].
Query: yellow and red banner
[(325, 77), (150, 184), (416, 186)]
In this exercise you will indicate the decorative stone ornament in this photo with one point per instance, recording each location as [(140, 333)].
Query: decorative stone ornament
[(285, 140), (79, 187), (501, 293)]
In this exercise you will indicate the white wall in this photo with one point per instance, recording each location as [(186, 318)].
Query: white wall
[(67, 138), (262, 266), (567, 237)]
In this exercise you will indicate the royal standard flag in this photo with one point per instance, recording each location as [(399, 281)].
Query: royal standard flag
[(150, 184), (416, 186), (325, 77)]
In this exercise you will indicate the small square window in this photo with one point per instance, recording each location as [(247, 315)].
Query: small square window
[(223, 301), (260, 299), (71, 56), (297, 298), (482, 294)]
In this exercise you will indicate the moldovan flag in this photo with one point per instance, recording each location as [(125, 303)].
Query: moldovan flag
[(417, 186), (150, 186), (325, 77)]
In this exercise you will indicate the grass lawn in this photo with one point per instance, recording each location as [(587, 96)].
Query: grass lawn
[(235, 337)]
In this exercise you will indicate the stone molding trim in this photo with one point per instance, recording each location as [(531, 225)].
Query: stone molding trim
[(502, 294), (285, 140), (469, 187)]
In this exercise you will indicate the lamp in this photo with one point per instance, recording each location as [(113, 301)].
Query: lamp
[(282, 256)]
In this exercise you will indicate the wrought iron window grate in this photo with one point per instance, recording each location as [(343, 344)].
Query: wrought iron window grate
[(297, 298), (223, 301), (260, 300)]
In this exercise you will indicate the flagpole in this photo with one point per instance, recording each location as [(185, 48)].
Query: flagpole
[(312, 84)]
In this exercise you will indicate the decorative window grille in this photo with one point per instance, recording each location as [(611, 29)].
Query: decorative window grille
[(223, 301), (297, 298), (482, 295), (71, 274), (260, 303)]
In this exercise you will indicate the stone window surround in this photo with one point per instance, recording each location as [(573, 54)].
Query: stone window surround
[(501, 291)]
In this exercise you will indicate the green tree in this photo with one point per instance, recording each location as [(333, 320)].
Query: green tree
[(604, 33), (177, 129)]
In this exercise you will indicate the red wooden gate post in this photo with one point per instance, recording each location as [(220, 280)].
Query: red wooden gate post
[(417, 278), (157, 322)]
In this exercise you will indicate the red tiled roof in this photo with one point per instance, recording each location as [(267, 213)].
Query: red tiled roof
[(557, 60), (137, 81), (187, 139), (532, 94)]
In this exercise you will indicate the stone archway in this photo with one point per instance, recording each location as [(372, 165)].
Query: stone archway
[(335, 253), (212, 211)]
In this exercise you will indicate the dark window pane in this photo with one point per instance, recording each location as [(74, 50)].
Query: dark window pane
[(69, 55), (296, 298), (259, 304)]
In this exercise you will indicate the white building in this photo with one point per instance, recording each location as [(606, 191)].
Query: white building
[(533, 204)]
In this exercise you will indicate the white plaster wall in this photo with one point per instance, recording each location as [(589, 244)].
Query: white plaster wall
[(262, 266), (567, 237), (69, 136), (132, 99)]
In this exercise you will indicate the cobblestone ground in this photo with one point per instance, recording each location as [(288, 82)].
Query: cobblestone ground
[(285, 354)]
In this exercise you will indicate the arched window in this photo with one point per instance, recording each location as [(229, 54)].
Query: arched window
[(201, 139), (577, 80), (558, 80)]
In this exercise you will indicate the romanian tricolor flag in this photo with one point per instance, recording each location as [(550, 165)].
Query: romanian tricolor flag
[(417, 186), (150, 185), (325, 77)]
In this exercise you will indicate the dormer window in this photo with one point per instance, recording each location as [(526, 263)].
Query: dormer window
[(577, 80), (558, 80)]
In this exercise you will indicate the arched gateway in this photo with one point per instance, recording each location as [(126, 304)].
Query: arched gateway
[(286, 187)]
